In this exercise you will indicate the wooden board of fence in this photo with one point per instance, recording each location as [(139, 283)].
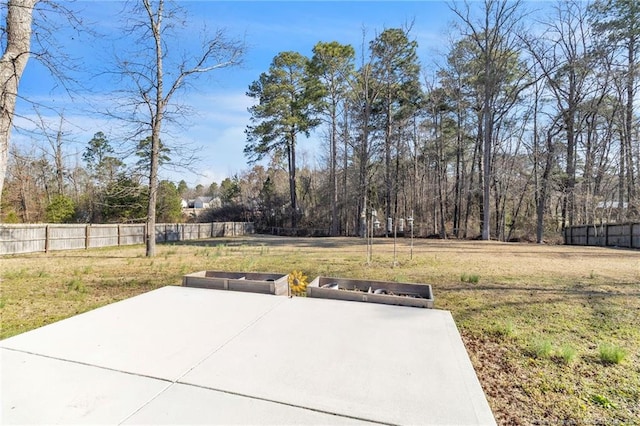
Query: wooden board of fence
[(34, 238), (625, 235)]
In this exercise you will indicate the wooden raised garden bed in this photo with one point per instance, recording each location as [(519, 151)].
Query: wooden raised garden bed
[(252, 282), (389, 293)]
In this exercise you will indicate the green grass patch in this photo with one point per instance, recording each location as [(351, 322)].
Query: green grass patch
[(16, 274), (470, 278), (504, 329), (602, 401), (611, 354), (567, 354), (43, 274), (77, 286), (540, 348)]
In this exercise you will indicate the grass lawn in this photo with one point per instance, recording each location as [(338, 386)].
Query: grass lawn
[(553, 331)]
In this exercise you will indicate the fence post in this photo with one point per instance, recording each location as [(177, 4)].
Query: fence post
[(46, 239), (606, 235), (87, 235)]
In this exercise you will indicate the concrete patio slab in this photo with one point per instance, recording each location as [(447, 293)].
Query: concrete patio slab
[(161, 334), (38, 390), (382, 363), (190, 405), (187, 355)]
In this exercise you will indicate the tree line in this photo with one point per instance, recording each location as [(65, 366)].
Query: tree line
[(101, 187), (521, 131)]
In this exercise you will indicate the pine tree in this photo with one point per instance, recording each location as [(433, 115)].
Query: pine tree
[(288, 102)]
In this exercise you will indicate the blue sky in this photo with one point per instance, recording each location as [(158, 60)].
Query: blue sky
[(216, 128)]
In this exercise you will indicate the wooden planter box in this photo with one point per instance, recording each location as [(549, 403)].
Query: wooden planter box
[(403, 294), (252, 282)]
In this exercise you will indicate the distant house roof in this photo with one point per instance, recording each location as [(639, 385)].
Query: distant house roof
[(204, 199), (611, 205)]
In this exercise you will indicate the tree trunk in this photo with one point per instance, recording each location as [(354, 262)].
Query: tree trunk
[(457, 203), (414, 179), (292, 179), (12, 64), (156, 126), (333, 171), (486, 159), (59, 161), (471, 193), (544, 188), (621, 173), (345, 167), (387, 166), (569, 120), (631, 57)]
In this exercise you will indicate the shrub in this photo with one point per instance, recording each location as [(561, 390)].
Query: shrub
[(60, 210)]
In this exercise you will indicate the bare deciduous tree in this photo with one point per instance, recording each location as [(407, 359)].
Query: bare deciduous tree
[(495, 36), (154, 84), (17, 43)]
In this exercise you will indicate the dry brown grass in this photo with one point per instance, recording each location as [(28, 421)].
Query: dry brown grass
[(572, 298)]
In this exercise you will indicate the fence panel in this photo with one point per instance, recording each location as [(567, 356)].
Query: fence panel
[(131, 234), (167, 232), (248, 228), (22, 239), (617, 236), (190, 231), (204, 230), (228, 229), (67, 237), (579, 235), (102, 235), (596, 236), (606, 235), (217, 229), (635, 235)]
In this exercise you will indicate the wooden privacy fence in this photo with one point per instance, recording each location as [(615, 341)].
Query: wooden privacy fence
[(606, 235), (21, 238)]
